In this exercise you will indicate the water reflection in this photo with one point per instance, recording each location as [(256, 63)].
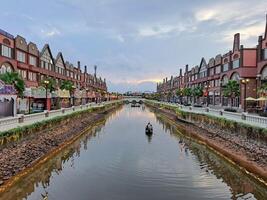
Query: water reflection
[(114, 161)]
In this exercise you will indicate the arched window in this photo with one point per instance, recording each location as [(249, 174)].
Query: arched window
[(264, 73), (225, 80), (235, 56), (235, 77), (5, 67), (6, 41)]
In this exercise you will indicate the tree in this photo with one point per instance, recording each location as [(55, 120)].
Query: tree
[(231, 90), (179, 93), (169, 95), (197, 92), (51, 86), (187, 92), (13, 78), (66, 85), (263, 89)]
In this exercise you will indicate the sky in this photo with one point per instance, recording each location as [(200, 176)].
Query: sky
[(135, 43)]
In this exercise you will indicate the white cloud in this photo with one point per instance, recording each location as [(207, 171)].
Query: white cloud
[(50, 33), (164, 30), (230, 12)]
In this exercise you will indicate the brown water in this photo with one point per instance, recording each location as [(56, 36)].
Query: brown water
[(116, 160)]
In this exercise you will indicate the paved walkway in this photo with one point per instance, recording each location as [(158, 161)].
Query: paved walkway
[(13, 122), (245, 118)]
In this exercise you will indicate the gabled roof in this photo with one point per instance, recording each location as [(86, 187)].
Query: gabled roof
[(59, 55), (46, 46), (202, 63)]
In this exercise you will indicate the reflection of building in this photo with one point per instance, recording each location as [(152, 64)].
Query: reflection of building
[(240, 63), (34, 66)]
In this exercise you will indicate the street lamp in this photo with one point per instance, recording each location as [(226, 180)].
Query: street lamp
[(46, 82), (245, 82), (73, 98), (207, 93)]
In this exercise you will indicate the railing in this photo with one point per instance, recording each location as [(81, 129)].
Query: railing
[(12, 122), (239, 117)]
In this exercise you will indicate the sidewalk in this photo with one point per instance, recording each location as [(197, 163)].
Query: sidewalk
[(245, 118), (13, 122)]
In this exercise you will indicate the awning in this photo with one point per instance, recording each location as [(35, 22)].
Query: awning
[(251, 99), (262, 99), (63, 93)]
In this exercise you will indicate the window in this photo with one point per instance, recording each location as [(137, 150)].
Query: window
[(23, 73), (235, 64), (218, 69), (211, 71), (32, 76), (5, 68), (225, 67), (265, 54), (6, 51), (21, 56), (33, 60)]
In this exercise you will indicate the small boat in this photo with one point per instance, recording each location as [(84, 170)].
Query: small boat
[(149, 129)]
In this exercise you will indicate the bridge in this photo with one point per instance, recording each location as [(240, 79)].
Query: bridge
[(133, 99)]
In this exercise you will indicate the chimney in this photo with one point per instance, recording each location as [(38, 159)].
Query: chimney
[(265, 35), (79, 65), (104, 80), (186, 68), (95, 68), (181, 72), (85, 69), (236, 42)]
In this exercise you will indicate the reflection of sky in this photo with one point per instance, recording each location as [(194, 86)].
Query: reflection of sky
[(119, 163)]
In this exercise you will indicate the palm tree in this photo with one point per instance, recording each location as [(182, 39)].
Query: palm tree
[(231, 90), (49, 83), (197, 92), (13, 78), (66, 85)]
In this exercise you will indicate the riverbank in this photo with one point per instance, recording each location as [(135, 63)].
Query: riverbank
[(17, 157), (240, 146)]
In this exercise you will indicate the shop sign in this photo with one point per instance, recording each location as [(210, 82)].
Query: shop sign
[(40, 93), (7, 89), (63, 93)]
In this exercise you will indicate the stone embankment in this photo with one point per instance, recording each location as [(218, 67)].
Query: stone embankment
[(242, 145), (16, 157)]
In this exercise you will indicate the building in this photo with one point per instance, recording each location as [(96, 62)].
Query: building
[(35, 66), (247, 66)]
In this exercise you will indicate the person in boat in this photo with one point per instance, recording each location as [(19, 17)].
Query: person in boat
[(149, 127)]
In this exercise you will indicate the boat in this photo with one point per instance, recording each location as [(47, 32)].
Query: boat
[(149, 129)]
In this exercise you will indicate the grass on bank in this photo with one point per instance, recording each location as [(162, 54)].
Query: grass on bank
[(46, 123), (210, 119)]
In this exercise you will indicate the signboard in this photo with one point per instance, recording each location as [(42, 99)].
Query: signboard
[(63, 93), (7, 89)]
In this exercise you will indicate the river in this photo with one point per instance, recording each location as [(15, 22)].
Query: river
[(116, 160)]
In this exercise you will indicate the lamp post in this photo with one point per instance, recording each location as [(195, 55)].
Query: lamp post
[(207, 94), (46, 82), (245, 82), (73, 98)]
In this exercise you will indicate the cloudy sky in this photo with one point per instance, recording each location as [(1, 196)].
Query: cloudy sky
[(135, 43)]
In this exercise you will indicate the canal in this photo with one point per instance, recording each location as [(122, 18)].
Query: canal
[(116, 160)]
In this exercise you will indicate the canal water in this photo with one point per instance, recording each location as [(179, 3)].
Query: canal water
[(116, 160)]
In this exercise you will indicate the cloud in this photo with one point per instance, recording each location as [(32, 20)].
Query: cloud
[(165, 30), (50, 33)]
